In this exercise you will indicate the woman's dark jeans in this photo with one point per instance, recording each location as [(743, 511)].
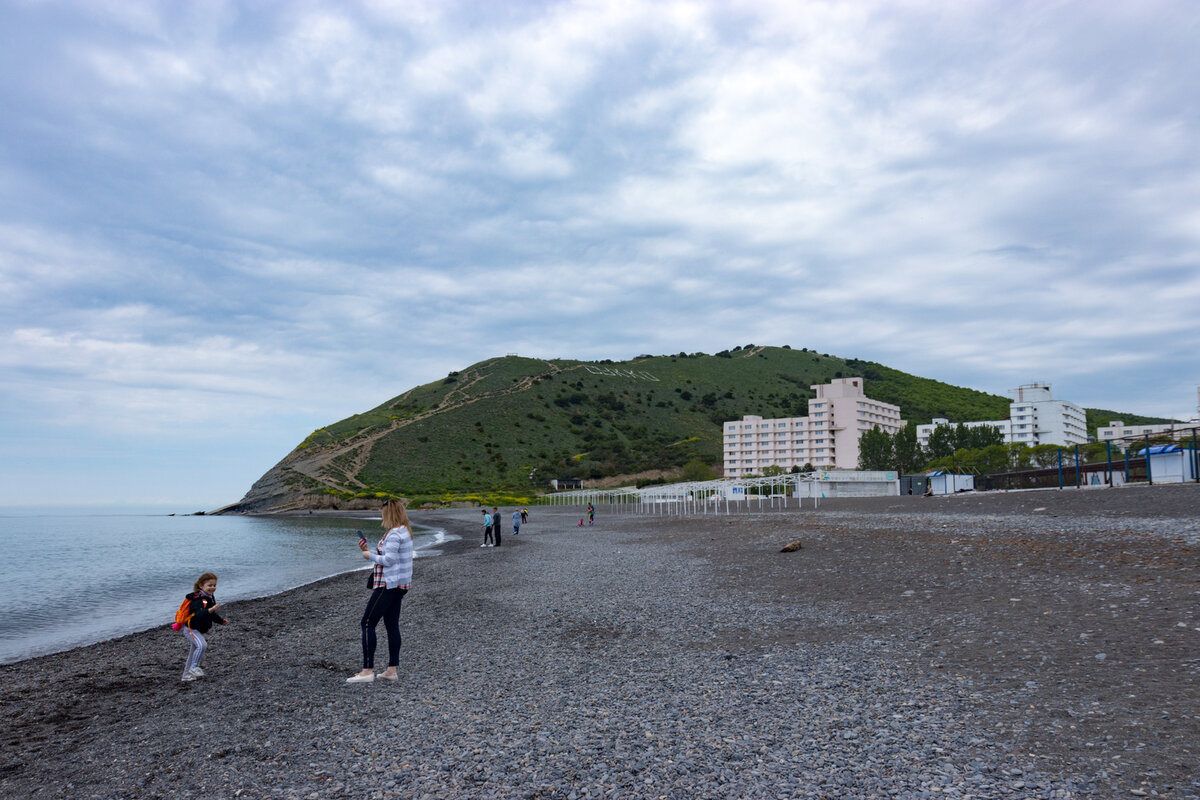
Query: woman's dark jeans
[(384, 604)]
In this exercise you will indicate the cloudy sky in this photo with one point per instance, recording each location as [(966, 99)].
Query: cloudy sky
[(226, 224)]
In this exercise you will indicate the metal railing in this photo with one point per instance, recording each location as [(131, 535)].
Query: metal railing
[(1127, 462)]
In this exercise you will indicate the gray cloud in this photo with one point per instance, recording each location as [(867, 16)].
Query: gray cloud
[(209, 213)]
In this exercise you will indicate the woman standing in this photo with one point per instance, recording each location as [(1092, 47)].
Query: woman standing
[(390, 579)]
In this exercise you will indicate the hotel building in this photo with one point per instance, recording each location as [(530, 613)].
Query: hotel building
[(1034, 417), (827, 438), (1117, 429)]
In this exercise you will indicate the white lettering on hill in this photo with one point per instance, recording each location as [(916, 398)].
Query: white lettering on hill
[(616, 372)]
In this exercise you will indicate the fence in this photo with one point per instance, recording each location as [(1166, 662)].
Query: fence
[(1116, 469)]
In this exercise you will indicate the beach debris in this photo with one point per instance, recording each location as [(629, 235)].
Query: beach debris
[(791, 547)]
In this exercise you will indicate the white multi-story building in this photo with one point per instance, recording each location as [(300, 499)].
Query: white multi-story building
[(1037, 418), (1118, 430), (1034, 417), (827, 438)]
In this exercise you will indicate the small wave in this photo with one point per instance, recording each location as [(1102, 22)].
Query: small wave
[(425, 543)]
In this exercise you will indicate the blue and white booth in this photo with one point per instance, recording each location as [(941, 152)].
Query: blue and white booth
[(948, 482), (1170, 463)]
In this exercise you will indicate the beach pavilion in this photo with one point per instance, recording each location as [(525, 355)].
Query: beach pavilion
[(725, 495)]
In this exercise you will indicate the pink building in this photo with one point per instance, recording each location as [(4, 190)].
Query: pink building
[(827, 438)]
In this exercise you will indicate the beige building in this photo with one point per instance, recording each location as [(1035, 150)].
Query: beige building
[(827, 438)]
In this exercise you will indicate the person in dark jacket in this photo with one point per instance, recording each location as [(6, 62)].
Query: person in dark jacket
[(203, 605), (496, 525)]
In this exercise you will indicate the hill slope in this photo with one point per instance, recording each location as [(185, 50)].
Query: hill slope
[(513, 423)]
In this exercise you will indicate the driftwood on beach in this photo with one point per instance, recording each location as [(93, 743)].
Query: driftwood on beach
[(972, 646)]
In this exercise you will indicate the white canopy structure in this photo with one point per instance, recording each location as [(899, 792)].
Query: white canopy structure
[(747, 494)]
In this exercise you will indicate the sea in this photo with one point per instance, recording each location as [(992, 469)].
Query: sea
[(75, 577)]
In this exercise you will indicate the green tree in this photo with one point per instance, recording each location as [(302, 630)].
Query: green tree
[(1019, 456), (772, 471), (960, 437), (957, 462), (875, 450), (1044, 455), (909, 455), (941, 442), (697, 470), (990, 460), (981, 437), (1096, 451)]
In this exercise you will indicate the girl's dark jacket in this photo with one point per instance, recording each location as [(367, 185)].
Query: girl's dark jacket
[(202, 619)]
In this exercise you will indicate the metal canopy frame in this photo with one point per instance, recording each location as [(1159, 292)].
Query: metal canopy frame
[(713, 497)]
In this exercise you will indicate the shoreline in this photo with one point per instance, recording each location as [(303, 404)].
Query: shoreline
[(464, 524), (911, 646), (447, 546)]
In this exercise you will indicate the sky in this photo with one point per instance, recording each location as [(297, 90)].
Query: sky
[(226, 224)]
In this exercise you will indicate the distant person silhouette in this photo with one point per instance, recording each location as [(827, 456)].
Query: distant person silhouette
[(487, 528)]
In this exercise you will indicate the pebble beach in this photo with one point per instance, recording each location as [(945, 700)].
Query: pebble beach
[(991, 645)]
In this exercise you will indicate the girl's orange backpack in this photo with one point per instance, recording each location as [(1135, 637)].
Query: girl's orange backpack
[(183, 616)]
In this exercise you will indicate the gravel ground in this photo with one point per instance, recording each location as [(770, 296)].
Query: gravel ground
[(1024, 645)]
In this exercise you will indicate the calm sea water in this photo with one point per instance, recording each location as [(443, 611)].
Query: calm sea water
[(71, 579)]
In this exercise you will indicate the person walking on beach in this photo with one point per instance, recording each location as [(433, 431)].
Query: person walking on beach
[(487, 528), (524, 515), (516, 522), (389, 582), (591, 514), (496, 525), (202, 605)]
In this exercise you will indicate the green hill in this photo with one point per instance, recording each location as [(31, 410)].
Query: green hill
[(509, 425)]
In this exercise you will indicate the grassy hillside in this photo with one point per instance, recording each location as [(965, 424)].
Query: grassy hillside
[(923, 399), (511, 424)]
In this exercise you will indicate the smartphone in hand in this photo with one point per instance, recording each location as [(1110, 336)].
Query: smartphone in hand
[(362, 539)]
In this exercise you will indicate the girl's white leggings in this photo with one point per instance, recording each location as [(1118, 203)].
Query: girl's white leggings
[(196, 646)]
